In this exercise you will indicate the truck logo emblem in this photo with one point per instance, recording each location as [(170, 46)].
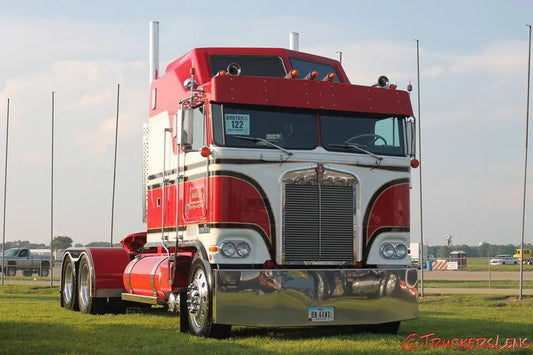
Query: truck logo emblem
[(320, 170)]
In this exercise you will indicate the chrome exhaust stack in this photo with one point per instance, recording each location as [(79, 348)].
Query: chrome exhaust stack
[(294, 41), (154, 50)]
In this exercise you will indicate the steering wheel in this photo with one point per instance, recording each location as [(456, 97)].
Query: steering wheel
[(371, 138)]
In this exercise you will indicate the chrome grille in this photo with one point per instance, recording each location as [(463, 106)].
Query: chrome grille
[(318, 223)]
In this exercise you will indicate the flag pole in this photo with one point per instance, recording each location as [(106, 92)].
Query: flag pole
[(115, 167), (421, 253), (5, 199), (52, 195), (525, 170)]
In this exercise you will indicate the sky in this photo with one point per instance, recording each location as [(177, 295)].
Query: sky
[(473, 89)]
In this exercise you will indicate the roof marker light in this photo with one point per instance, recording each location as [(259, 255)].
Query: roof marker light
[(329, 77), (292, 74), (222, 73), (312, 75)]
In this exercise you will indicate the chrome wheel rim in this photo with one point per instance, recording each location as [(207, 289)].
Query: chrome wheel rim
[(84, 285), (198, 299)]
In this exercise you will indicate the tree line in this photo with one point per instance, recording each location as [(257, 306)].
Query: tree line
[(59, 242)]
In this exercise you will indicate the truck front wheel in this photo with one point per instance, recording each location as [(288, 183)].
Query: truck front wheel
[(86, 302), (385, 328), (200, 302)]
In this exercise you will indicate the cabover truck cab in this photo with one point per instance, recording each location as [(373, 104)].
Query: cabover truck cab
[(276, 194), (527, 258)]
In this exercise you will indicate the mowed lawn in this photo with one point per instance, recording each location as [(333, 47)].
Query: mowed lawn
[(31, 322)]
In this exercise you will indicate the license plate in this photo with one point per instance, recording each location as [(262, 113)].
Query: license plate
[(321, 314)]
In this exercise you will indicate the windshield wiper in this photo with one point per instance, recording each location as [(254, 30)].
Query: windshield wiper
[(267, 142), (353, 146)]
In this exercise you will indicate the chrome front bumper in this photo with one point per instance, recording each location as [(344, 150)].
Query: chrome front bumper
[(302, 297)]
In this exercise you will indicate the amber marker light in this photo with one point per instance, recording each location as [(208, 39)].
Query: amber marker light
[(312, 75), (205, 152), (292, 74), (415, 163), (329, 77), (393, 86), (222, 73), (409, 87), (213, 248)]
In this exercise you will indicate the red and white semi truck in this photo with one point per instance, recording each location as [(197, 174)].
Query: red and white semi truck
[(276, 194)]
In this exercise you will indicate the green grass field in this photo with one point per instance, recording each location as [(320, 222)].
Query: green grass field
[(476, 284), (31, 322)]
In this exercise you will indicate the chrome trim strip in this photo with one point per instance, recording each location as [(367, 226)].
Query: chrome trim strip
[(128, 270), (283, 297), (143, 299)]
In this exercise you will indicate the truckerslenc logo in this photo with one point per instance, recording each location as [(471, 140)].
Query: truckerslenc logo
[(430, 341)]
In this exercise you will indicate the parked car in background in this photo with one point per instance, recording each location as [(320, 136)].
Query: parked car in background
[(30, 261), (504, 260)]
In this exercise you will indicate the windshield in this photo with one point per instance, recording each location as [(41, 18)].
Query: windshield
[(378, 135), (11, 252), (286, 128), (268, 128)]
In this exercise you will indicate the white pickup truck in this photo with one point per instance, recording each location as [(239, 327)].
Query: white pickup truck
[(30, 262)]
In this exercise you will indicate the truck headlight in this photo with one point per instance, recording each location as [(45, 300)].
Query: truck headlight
[(393, 250), (387, 250), (401, 251), (228, 249), (243, 249), (235, 249)]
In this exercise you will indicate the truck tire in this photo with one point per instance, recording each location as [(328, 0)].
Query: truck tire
[(184, 315), (385, 328), (69, 299), (200, 302), (44, 272), (11, 271), (87, 303)]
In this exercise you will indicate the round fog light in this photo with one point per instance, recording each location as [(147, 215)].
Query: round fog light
[(243, 249), (228, 248)]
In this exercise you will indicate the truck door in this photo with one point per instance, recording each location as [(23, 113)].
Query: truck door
[(195, 166), (24, 259)]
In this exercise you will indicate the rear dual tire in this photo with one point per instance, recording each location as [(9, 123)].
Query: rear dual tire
[(69, 300), (85, 285)]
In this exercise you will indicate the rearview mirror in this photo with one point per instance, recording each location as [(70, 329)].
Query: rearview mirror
[(410, 132), (183, 126)]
